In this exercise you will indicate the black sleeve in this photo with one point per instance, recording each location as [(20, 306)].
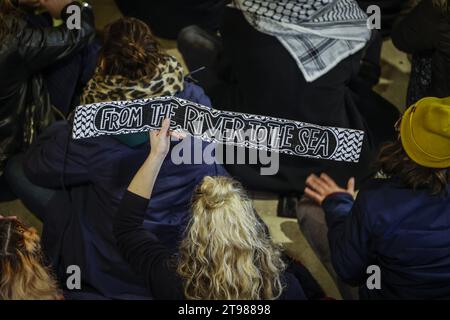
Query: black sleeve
[(418, 31), (40, 47), (142, 249)]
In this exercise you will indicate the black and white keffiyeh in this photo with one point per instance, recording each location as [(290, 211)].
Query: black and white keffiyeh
[(317, 33)]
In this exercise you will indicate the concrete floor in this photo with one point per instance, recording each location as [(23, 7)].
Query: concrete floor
[(395, 73)]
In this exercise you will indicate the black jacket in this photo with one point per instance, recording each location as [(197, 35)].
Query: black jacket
[(24, 52), (426, 29)]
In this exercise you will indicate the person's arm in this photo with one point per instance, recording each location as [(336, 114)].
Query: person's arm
[(417, 31), (147, 256), (141, 248), (41, 47), (348, 237), (348, 227)]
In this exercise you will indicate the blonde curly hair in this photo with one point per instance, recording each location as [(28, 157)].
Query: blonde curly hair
[(226, 253)]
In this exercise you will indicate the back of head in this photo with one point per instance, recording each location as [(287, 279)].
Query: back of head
[(22, 273), (130, 50), (226, 253), (420, 157)]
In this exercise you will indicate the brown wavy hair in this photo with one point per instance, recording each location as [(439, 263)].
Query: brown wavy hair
[(226, 253), (23, 275), (393, 161), (130, 50), (6, 8)]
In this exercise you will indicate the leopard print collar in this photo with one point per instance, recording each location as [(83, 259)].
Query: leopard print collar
[(168, 80)]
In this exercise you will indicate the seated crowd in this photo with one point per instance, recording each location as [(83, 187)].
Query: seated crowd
[(141, 226)]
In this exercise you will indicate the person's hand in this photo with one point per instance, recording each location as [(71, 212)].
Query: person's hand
[(30, 3), (54, 7), (160, 140), (318, 188)]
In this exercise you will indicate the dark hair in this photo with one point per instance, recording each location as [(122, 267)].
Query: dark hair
[(130, 49), (393, 161), (6, 7)]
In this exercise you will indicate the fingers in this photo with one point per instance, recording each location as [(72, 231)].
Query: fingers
[(313, 195), (318, 188), (351, 185), (328, 180), (176, 135), (165, 127), (180, 135), (164, 130), (316, 183)]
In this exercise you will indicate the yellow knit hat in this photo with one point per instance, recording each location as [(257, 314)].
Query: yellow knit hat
[(425, 132)]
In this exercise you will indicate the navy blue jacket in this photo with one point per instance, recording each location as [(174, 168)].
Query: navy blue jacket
[(78, 224), (404, 232)]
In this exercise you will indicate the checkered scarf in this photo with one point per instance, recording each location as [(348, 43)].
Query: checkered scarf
[(317, 33)]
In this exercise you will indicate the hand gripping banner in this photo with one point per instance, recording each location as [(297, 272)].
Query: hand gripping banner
[(231, 128)]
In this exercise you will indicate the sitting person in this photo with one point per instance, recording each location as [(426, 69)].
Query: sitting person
[(425, 33), (225, 253), (25, 109), (23, 275), (89, 177), (400, 223), (264, 65)]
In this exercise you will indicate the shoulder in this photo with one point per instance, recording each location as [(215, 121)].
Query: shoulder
[(194, 93), (380, 187), (380, 201), (377, 191)]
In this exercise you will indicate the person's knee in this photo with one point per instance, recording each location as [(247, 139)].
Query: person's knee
[(195, 37), (189, 33), (14, 170)]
